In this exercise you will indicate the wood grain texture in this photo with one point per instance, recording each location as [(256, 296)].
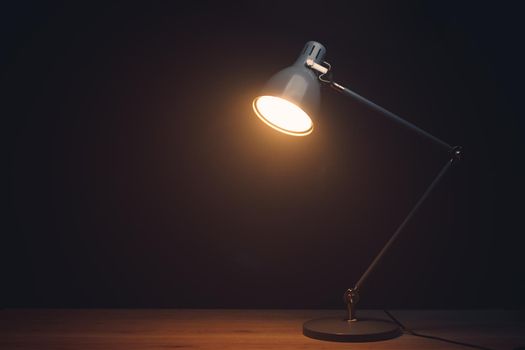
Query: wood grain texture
[(239, 329)]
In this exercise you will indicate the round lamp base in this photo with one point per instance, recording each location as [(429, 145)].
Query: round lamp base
[(361, 330)]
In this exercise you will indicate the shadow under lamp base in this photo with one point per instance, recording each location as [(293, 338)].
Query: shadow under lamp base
[(342, 330)]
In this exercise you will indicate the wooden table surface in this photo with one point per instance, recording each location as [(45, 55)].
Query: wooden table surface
[(239, 329)]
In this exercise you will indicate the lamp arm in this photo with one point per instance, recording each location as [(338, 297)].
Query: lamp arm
[(388, 114), (455, 154), (351, 296)]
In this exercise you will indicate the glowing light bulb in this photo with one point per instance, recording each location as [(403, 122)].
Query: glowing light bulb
[(283, 115)]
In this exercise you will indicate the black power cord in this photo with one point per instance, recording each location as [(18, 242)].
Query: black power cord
[(411, 332)]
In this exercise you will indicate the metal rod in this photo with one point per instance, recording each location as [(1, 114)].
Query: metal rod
[(389, 114), (403, 224)]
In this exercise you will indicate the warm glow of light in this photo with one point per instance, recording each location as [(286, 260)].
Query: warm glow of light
[(283, 115)]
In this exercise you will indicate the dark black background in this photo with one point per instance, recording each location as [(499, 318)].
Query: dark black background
[(138, 175)]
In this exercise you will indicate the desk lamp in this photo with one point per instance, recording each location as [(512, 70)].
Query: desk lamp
[(288, 104)]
